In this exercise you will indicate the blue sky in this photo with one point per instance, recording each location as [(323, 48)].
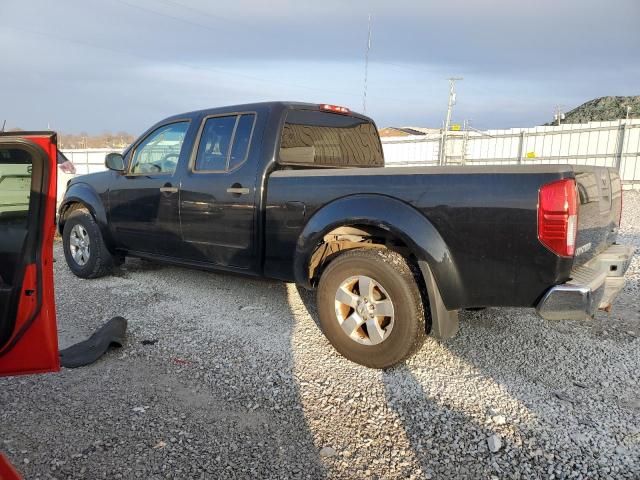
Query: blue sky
[(91, 65)]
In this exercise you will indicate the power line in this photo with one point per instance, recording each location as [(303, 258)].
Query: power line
[(226, 19), (402, 66), (156, 12), (218, 71), (200, 12), (234, 20), (186, 65)]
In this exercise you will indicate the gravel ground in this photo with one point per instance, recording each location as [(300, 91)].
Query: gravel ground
[(242, 384)]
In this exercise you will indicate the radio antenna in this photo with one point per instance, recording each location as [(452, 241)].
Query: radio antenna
[(366, 68)]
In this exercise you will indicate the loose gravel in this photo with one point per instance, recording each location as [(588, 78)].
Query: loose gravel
[(235, 380)]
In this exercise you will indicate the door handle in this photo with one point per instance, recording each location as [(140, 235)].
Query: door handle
[(167, 189), (238, 190)]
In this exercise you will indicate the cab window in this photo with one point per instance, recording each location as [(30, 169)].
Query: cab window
[(224, 143), (213, 150), (160, 151), (241, 140)]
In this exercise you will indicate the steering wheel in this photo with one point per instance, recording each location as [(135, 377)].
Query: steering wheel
[(168, 162)]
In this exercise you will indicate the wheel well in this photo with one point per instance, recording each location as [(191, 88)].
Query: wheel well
[(351, 237), (64, 213), (346, 238)]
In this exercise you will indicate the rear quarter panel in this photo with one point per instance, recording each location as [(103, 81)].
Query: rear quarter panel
[(487, 217)]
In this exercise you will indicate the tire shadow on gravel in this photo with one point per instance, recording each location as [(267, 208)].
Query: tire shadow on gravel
[(445, 439)]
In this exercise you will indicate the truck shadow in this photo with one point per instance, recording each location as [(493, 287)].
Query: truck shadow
[(273, 378), (251, 378), (507, 374), (221, 378)]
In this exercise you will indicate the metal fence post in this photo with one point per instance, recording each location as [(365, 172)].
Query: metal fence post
[(622, 133), (521, 147)]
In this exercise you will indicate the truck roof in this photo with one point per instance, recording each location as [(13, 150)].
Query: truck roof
[(258, 106)]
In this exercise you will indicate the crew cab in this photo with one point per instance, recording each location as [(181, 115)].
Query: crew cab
[(299, 192)]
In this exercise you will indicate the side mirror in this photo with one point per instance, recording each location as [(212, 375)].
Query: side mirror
[(114, 161)]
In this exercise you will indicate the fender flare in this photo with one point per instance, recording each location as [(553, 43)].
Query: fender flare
[(395, 216), (83, 193)]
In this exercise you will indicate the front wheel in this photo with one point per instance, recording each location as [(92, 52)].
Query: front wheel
[(84, 250), (370, 307)]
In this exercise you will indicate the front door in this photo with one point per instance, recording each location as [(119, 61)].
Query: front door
[(143, 202), (218, 193), (28, 333)]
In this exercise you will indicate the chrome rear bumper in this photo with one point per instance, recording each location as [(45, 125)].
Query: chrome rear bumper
[(593, 286)]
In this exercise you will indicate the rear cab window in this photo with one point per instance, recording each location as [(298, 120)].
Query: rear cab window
[(322, 139), (224, 143)]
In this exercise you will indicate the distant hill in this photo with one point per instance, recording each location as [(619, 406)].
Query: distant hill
[(603, 109)]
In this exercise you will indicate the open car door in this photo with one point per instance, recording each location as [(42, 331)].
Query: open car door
[(28, 332)]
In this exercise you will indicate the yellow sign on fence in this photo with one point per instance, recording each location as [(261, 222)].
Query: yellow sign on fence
[(531, 154), (455, 127)]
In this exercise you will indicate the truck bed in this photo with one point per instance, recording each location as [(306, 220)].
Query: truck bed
[(486, 215)]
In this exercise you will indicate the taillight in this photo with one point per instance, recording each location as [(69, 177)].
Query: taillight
[(334, 108), (67, 167), (558, 216)]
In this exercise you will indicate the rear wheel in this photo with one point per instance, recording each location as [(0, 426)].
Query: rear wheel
[(84, 249), (370, 307)]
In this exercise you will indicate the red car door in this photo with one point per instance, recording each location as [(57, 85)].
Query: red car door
[(28, 332)]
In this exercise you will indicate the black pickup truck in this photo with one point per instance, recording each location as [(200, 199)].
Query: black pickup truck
[(299, 192)]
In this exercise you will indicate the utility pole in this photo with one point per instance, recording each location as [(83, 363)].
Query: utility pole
[(452, 100), (628, 111), (447, 122), (366, 68), (559, 114)]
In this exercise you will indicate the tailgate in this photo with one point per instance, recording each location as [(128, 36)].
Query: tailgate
[(600, 192)]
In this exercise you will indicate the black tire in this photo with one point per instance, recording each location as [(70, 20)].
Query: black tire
[(392, 271), (100, 261)]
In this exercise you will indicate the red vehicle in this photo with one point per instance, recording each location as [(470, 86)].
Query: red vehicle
[(28, 331)]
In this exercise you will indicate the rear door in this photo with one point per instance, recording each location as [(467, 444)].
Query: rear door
[(28, 333), (218, 192)]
